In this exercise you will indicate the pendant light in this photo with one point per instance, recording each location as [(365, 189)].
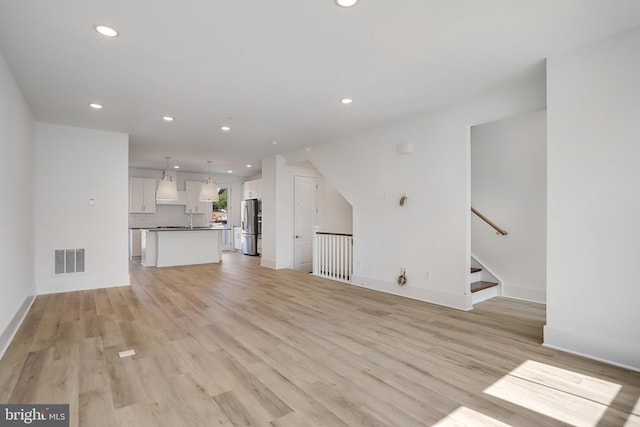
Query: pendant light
[(209, 189), (167, 188)]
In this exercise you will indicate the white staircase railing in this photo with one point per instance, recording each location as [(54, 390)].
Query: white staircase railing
[(333, 256)]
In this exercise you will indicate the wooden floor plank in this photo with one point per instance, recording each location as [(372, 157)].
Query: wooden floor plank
[(238, 344)]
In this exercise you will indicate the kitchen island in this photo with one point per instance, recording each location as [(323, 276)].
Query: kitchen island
[(171, 246)]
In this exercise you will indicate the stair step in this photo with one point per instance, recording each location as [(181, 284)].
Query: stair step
[(475, 270), (479, 286)]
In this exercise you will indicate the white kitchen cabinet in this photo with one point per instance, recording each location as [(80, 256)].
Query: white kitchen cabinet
[(237, 238), (226, 239), (142, 195), (252, 189), (193, 199)]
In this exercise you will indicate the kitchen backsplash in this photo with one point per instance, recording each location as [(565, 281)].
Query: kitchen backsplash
[(167, 215)]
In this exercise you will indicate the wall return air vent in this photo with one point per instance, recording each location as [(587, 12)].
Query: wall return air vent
[(67, 261)]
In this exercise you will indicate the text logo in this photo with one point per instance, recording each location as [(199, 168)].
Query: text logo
[(34, 415)]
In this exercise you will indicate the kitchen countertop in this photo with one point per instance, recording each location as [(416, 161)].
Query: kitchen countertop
[(185, 228)]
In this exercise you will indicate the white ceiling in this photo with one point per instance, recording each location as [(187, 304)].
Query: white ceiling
[(275, 70)]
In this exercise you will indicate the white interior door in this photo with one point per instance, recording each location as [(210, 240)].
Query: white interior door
[(305, 199)]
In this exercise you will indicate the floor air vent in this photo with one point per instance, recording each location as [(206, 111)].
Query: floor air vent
[(69, 261)]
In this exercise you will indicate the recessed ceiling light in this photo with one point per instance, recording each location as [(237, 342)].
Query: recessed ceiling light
[(346, 100), (176, 167), (106, 31), (248, 166), (225, 128), (346, 3), (229, 171), (274, 143), (167, 118), (95, 106)]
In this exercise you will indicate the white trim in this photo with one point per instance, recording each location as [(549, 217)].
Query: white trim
[(484, 294), (447, 299), (489, 270), (525, 294), (274, 265), (12, 328), (467, 249), (625, 354), (515, 292), (81, 284), (268, 263)]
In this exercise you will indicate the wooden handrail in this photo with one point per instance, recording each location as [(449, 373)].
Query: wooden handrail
[(333, 234), (488, 221)]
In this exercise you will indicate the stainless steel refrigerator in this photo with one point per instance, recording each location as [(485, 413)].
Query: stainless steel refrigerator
[(251, 214)]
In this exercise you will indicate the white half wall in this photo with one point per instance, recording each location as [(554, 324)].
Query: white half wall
[(17, 283), (72, 167), (430, 235), (594, 201), (509, 186)]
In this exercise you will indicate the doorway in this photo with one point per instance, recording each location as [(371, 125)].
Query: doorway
[(221, 215), (305, 217), (508, 186)]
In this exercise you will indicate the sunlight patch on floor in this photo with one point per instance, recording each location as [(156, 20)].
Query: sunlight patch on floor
[(558, 393), (465, 417), (634, 418)]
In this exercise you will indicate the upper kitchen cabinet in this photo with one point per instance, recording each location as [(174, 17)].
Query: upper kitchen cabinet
[(193, 199), (253, 189), (142, 195)]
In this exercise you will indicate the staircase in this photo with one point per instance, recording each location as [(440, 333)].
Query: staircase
[(481, 290)]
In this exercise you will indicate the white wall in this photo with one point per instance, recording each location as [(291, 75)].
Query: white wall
[(73, 165), (593, 290), (17, 283), (335, 214), (430, 236), (269, 217), (277, 214), (509, 186), (174, 214)]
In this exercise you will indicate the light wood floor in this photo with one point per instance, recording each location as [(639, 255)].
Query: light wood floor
[(238, 344)]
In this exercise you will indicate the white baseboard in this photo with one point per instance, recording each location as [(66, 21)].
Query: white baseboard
[(274, 265), (447, 299), (12, 328), (625, 354), (484, 294), (268, 263), (81, 284), (526, 294)]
